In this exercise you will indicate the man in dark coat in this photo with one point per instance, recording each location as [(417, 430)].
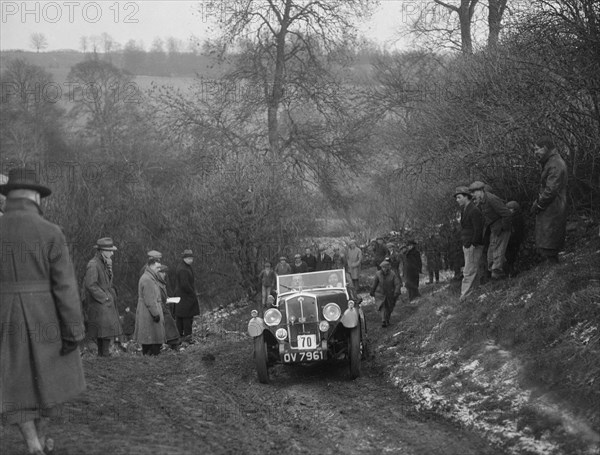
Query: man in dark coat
[(298, 266), (550, 207), (188, 306), (386, 290), (310, 259), (497, 219), (434, 259), (101, 297), (41, 322), (471, 236), (324, 261), (380, 252), (413, 268)]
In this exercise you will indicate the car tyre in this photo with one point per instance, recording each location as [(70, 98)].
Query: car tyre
[(354, 350), (260, 359)]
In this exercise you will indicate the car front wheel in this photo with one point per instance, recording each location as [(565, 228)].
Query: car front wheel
[(260, 359), (354, 350)]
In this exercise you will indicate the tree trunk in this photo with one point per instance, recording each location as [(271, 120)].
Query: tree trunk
[(495, 12)]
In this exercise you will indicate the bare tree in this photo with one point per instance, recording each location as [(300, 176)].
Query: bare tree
[(496, 10), (445, 24), (83, 43), (280, 33), (38, 41), (107, 42)]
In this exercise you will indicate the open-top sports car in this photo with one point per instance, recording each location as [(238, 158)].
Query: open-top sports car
[(316, 317)]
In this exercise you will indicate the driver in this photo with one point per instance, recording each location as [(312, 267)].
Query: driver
[(334, 281), (297, 283)]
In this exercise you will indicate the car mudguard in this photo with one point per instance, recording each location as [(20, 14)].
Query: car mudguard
[(256, 326), (350, 318)]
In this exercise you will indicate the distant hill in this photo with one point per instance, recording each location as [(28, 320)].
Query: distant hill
[(59, 63)]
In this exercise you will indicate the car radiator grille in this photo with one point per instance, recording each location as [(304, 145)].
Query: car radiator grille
[(304, 313)]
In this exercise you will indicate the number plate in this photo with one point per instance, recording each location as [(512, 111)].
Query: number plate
[(307, 341), (303, 356)]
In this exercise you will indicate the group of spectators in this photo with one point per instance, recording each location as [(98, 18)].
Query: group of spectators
[(43, 318), (485, 216), (158, 319)]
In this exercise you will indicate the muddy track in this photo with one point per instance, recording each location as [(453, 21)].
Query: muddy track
[(188, 403)]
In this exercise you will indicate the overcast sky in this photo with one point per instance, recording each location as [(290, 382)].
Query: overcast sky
[(64, 22)]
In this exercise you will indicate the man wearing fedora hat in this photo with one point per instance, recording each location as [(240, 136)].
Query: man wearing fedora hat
[(101, 297), (40, 314), (185, 288), (471, 236)]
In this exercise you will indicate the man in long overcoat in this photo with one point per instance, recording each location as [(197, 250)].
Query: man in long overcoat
[(354, 258), (101, 298), (185, 288), (149, 317), (412, 269), (40, 314), (550, 207), (386, 289)]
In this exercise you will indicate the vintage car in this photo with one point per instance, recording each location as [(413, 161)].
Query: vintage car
[(316, 318)]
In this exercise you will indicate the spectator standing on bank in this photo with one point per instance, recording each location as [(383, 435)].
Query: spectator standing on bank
[(40, 369), (434, 259), (413, 268), (185, 288), (386, 289), (282, 267), (338, 259), (324, 261), (267, 280), (517, 236), (354, 257), (550, 207), (149, 322), (299, 266), (310, 259), (497, 219), (471, 222), (101, 297)]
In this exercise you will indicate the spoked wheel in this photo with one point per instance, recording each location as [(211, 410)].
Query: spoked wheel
[(354, 351), (260, 359)]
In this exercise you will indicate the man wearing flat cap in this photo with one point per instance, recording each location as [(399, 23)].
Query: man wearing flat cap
[(101, 297), (41, 322), (471, 237), (386, 289), (497, 219), (152, 254), (282, 267), (185, 288)]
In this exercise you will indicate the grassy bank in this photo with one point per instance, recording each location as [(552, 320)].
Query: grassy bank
[(519, 361)]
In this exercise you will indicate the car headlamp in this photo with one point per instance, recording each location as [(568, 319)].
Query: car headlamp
[(281, 334), (332, 312), (323, 326), (272, 316)]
